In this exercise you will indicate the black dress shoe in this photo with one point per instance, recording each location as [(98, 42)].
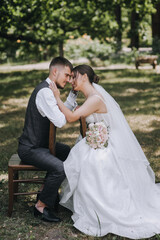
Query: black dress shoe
[(47, 215), (56, 205)]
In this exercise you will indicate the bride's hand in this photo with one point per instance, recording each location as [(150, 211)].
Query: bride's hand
[(54, 89)]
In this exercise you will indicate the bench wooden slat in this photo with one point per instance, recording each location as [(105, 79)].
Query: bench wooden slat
[(25, 193), (16, 163), (38, 180), (83, 126)]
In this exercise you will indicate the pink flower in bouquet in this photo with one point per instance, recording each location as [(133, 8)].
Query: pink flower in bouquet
[(97, 135)]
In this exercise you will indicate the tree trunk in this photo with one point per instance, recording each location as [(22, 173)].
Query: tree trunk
[(119, 30), (61, 52), (156, 23), (134, 29)]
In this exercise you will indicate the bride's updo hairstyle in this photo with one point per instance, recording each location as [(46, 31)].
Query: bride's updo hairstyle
[(82, 69)]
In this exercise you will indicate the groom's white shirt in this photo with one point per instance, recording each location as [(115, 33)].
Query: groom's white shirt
[(47, 105)]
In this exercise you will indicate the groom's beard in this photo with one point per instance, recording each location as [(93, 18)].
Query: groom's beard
[(57, 80), (58, 86)]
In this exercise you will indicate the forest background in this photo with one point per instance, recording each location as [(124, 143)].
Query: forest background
[(99, 30), (109, 35)]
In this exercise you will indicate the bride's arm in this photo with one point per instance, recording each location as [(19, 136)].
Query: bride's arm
[(90, 106)]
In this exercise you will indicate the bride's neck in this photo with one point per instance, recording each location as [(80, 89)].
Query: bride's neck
[(88, 90)]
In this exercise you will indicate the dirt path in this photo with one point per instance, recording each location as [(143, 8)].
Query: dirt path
[(45, 66)]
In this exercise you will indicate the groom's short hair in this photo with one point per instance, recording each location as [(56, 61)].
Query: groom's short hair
[(60, 61)]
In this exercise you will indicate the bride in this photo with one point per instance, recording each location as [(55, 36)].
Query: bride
[(109, 186)]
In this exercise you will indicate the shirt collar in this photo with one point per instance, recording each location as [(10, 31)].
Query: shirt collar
[(48, 80)]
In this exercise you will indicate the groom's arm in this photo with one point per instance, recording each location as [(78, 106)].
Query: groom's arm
[(47, 107)]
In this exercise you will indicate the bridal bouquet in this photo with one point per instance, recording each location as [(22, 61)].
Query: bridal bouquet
[(97, 135)]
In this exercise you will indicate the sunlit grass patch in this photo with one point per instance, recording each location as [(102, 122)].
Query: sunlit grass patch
[(137, 92)]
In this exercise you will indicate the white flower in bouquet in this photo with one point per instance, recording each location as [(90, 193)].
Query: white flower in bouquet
[(97, 135)]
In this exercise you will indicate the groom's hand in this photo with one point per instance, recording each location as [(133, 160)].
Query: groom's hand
[(54, 89)]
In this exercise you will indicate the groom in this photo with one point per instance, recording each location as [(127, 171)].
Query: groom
[(33, 143)]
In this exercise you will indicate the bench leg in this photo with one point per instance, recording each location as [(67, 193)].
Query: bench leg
[(15, 185), (137, 64), (11, 191), (154, 64)]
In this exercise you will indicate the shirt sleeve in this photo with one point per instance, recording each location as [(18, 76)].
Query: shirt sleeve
[(71, 100), (47, 107)]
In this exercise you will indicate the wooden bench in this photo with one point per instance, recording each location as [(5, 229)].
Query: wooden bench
[(83, 126), (151, 59), (15, 166)]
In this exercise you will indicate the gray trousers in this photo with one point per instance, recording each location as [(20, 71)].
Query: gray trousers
[(41, 158)]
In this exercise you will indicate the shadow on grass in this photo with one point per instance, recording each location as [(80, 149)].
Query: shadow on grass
[(17, 84), (131, 92), (137, 92)]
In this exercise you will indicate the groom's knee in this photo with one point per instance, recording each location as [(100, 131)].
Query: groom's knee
[(58, 170), (57, 176)]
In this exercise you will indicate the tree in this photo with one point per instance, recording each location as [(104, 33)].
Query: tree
[(22, 25), (156, 22), (137, 10), (46, 23), (135, 23), (118, 35), (156, 28), (38, 26)]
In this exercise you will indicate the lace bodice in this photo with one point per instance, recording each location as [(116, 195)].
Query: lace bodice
[(97, 117)]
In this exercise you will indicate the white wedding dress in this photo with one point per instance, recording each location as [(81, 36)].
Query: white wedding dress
[(112, 190)]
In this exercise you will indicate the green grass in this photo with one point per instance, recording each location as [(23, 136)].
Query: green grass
[(137, 92)]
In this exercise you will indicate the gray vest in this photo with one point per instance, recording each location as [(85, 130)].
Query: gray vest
[(36, 128)]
